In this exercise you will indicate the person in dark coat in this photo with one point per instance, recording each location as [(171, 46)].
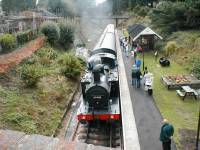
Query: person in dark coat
[(133, 75), (138, 74), (167, 131)]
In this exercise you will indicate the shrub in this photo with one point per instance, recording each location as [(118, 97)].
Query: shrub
[(49, 52), (21, 120), (196, 67), (70, 66), (23, 37), (159, 46), (170, 48), (67, 29), (51, 30), (45, 56), (8, 42), (143, 11), (30, 74)]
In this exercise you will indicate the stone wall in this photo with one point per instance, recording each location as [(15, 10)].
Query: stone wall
[(14, 24)]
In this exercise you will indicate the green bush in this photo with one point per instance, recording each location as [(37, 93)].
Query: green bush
[(70, 66), (174, 16), (23, 37), (49, 52), (21, 120), (159, 46), (7, 42), (30, 74), (51, 30), (143, 11), (170, 48), (196, 67), (45, 56), (67, 29)]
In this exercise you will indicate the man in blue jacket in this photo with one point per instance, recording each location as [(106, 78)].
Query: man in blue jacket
[(167, 131)]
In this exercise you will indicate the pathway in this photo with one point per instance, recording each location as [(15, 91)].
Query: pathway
[(7, 61)]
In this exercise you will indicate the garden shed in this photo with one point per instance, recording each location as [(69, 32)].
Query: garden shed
[(142, 35)]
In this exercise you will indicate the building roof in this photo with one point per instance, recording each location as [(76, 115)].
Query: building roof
[(136, 30)]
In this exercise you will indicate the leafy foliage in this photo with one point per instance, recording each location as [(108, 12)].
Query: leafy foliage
[(170, 48), (46, 56), (196, 67), (17, 5), (30, 74), (120, 5), (7, 42), (64, 8), (67, 29), (71, 66), (48, 52), (173, 16), (23, 37), (142, 10), (51, 30)]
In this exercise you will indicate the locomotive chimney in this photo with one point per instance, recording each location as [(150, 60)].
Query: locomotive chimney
[(96, 77), (97, 70)]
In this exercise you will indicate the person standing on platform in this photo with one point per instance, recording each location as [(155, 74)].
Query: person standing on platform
[(156, 55), (127, 50), (138, 63), (133, 75), (167, 131), (145, 71), (125, 43), (138, 74)]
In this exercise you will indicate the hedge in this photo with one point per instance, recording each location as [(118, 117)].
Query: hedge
[(7, 42)]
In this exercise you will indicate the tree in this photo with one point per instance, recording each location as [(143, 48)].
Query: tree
[(17, 5), (67, 29), (64, 8), (173, 16), (7, 6), (51, 31)]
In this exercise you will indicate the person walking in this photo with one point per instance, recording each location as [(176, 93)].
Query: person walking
[(138, 74), (167, 131)]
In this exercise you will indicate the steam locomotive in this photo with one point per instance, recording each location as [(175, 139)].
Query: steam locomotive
[(100, 84)]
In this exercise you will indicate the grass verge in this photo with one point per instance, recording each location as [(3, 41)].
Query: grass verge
[(31, 103), (182, 114)]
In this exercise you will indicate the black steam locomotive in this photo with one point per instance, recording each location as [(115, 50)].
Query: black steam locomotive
[(100, 85)]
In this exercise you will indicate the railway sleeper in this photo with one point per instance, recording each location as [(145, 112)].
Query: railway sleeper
[(93, 136), (98, 142), (116, 143)]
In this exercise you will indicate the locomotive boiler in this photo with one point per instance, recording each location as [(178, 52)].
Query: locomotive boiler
[(100, 85)]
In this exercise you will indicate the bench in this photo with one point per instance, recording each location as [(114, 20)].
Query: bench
[(179, 93)]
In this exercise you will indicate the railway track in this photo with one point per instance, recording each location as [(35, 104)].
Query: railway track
[(100, 133)]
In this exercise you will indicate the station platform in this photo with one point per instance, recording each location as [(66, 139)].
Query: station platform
[(130, 134)]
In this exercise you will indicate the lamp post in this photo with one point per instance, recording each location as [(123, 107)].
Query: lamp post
[(198, 129), (143, 42)]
